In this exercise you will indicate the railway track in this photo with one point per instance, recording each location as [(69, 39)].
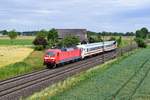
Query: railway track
[(26, 85)]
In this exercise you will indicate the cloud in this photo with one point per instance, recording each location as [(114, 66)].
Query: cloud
[(96, 15)]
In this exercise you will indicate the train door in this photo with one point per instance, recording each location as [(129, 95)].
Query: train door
[(82, 53)]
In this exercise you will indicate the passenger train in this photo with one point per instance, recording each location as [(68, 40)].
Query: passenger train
[(54, 57)]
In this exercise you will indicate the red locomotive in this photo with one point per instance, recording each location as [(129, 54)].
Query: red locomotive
[(54, 57)]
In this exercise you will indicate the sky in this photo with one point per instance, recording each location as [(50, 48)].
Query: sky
[(94, 15)]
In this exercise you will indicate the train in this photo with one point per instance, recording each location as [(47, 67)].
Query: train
[(56, 57)]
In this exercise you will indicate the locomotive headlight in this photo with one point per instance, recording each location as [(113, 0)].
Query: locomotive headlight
[(46, 58), (53, 59)]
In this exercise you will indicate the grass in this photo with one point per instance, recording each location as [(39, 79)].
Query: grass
[(143, 92), (16, 59), (100, 83), (103, 84), (64, 85), (13, 54), (16, 42), (18, 37), (33, 62), (126, 40), (20, 40)]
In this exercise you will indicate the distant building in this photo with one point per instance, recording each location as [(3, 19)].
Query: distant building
[(81, 33)]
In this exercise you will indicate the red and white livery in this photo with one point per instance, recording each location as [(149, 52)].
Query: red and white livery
[(54, 57)]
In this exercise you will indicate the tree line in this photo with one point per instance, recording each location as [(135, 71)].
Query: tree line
[(50, 38), (104, 33)]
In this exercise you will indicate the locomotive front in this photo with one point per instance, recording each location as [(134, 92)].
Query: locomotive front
[(50, 58)]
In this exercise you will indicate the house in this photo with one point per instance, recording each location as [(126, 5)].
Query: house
[(81, 33)]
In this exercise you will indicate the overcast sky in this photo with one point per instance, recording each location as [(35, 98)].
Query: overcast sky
[(94, 15)]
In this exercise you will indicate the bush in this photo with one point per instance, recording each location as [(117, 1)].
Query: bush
[(70, 41), (83, 42), (91, 40), (12, 34), (140, 42), (40, 43), (119, 41), (39, 47)]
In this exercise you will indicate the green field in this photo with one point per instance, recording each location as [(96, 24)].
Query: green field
[(128, 78), (126, 40), (115, 81), (20, 40), (16, 42)]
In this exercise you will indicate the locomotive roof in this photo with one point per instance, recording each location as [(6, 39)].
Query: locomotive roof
[(53, 50), (62, 49)]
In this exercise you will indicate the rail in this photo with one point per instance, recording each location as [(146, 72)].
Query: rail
[(25, 85)]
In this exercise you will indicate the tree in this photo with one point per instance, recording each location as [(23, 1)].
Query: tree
[(145, 32), (41, 34), (129, 34), (52, 35), (12, 35), (99, 38), (142, 33), (69, 41), (91, 40), (19, 33), (4, 32), (138, 33), (92, 36), (95, 38), (40, 43)]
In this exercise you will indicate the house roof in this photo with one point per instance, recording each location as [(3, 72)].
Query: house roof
[(81, 33)]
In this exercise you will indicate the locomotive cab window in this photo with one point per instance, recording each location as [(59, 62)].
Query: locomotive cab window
[(50, 53)]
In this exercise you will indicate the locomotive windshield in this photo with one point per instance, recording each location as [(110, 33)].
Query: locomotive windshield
[(50, 53)]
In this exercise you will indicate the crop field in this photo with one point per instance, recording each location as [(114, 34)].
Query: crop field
[(22, 40), (125, 79), (13, 54), (32, 63)]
